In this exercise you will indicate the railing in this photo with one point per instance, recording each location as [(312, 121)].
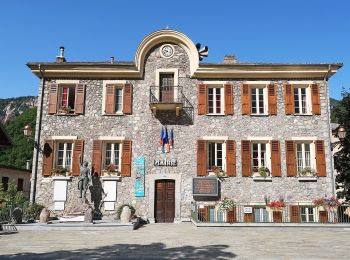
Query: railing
[(166, 94), (206, 212)]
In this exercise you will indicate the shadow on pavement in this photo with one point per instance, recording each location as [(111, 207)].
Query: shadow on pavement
[(133, 251)]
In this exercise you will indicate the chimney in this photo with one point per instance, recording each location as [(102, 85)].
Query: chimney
[(112, 59), (61, 58), (230, 59)]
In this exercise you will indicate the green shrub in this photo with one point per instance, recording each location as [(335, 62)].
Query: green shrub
[(120, 209), (33, 211)]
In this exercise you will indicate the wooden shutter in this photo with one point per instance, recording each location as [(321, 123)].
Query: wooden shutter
[(202, 99), (245, 99), (230, 158), (249, 217), (320, 159), (77, 151), (53, 92), (48, 157), (126, 158), (272, 99), (294, 214), (231, 215), (127, 99), (96, 157), (290, 159), (246, 159), (315, 97), (275, 158), (228, 99), (323, 216), (203, 214), (201, 158), (110, 99), (79, 99), (288, 99), (277, 216)]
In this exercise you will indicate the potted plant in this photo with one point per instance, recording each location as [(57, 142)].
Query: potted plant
[(226, 204), (65, 109), (264, 171), (307, 172), (326, 203), (275, 205), (110, 170), (218, 171), (59, 171)]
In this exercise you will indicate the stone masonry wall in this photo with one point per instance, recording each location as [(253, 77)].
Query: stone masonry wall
[(143, 129)]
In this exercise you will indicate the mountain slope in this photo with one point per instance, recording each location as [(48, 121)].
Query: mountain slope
[(12, 107)]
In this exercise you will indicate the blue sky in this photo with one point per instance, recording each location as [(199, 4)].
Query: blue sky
[(299, 31)]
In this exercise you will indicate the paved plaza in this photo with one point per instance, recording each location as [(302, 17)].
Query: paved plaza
[(180, 241)]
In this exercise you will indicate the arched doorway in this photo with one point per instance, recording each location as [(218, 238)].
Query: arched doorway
[(164, 204)]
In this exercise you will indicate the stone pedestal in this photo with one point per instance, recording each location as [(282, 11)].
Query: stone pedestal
[(88, 216), (110, 189), (125, 215), (60, 191), (44, 216)]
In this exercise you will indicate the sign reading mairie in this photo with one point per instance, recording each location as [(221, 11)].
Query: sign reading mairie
[(165, 162)]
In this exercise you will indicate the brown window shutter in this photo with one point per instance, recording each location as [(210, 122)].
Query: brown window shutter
[(288, 99), (96, 157), (246, 159), (78, 150), (202, 99), (126, 158), (228, 99), (277, 216), (201, 158), (249, 217), (275, 158), (53, 92), (203, 214), (230, 158), (231, 215), (294, 214), (245, 99), (315, 97), (272, 99), (323, 216), (79, 99), (48, 157), (110, 99), (290, 159), (320, 159), (127, 99)]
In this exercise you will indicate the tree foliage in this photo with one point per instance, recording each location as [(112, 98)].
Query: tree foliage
[(342, 157), (23, 147)]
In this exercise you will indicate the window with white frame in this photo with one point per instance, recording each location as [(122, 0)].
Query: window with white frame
[(118, 105), (215, 100), (307, 214), (258, 100), (66, 98), (302, 100), (64, 155), (215, 155), (112, 156), (259, 156), (261, 215), (303, 156)]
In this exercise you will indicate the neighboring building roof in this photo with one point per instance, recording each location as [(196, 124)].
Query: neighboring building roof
[(14, 168), (5, 140), (198, 70)]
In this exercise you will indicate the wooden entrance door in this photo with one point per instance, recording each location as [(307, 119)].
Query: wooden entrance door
[(166, 88), (165, 201)]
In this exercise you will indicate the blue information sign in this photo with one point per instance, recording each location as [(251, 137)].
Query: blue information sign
[(140, 176)]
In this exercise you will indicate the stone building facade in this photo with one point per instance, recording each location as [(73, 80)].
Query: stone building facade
[(259, 125)]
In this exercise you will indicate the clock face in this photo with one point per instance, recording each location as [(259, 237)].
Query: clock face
[(167, 51)]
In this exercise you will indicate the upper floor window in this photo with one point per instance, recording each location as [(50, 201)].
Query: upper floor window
[(215, 155), (258, 100), (66, 98), (258, 156), (303, 156), (117, 99), (215, 100), (302, 99)]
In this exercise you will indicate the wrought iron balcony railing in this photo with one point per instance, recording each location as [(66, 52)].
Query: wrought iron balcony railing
[(166, 95)]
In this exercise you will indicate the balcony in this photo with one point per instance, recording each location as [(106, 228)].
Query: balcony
[(166, 98)]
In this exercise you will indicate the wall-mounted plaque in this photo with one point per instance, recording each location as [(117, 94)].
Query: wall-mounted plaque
[(248, 210), (207, 186)]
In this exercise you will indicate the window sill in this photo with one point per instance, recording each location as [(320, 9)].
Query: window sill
[(214, 114), (308, 114), (307, 178), (111, 178), (259, 115), (62, 178), (261, 178), (114, 114), (66, 114)]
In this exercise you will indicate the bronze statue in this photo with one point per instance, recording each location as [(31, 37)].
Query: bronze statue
[(84, 177)]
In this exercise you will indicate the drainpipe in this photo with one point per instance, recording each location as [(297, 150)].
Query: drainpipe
[(325, 82), (37, 139)]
